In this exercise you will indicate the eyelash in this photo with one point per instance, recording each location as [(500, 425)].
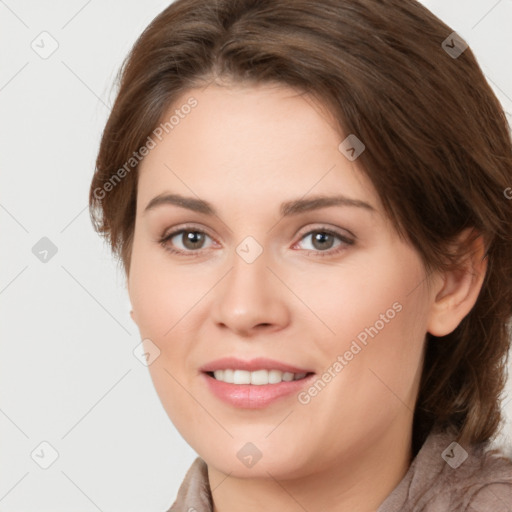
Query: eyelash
[(163, 241)]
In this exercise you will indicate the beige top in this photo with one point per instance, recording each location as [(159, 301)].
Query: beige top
[(439, 479)]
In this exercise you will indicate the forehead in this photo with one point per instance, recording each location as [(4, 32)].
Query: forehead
[(251, 142)]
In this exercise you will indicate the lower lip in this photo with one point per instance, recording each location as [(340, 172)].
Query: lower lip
[(250, 396)]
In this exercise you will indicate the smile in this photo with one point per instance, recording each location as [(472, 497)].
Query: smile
[(257, 378), (243, 394)]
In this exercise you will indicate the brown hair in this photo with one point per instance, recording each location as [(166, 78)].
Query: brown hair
[(438, 150)]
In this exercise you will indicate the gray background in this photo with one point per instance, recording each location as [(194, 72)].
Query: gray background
[(68, 375)]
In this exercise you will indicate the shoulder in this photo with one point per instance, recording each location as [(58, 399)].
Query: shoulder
[(486, 483), (475, 478), (493, 496), (447, 476), (194, 493)]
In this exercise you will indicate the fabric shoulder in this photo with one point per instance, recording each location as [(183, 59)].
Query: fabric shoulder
[(494, 489), (447, 476), (494, 496), (477, 478), (194, 493)]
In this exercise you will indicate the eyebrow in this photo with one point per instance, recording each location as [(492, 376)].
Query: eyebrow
[(287, 208)]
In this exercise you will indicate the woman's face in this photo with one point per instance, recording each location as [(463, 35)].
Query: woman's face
[(278, 271)]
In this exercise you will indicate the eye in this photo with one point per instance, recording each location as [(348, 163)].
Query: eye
[(323, 239), (190, 239)]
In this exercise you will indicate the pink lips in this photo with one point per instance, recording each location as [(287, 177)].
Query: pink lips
[(260, 363), (250, 396)]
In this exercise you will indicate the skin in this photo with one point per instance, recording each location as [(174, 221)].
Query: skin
[(246, 149)]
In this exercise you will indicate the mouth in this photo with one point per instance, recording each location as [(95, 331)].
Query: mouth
[(260, 377), (255, 389), (254, 384)]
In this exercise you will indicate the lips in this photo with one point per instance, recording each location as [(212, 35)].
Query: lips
[(260, 363), (249, 395)]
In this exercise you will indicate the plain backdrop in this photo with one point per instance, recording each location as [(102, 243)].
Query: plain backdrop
[(68, 375)]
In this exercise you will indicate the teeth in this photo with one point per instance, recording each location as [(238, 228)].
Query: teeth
[(258, 377)]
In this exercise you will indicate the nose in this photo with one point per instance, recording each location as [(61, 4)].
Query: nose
[(251, 299)]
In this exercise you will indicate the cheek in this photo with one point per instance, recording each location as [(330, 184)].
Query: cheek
[(161, 301), (377, 314), (380, 336), (169, 304), (376, 296), (161, 294)]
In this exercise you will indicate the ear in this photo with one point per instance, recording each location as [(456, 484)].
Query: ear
[(459, 288), (132, 314)]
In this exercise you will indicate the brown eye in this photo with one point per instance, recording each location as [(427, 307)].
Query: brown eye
[(323, 242), (192, 239), (185, 241)]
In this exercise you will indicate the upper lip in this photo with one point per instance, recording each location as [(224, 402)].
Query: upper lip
[(260, 363)]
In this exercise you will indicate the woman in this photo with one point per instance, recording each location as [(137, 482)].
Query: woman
[(364, 375)]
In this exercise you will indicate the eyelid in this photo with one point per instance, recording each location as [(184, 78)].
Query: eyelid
[(301, 232), (186, 227), (318, 226)]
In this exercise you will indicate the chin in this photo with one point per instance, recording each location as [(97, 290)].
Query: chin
[(246, 459)]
